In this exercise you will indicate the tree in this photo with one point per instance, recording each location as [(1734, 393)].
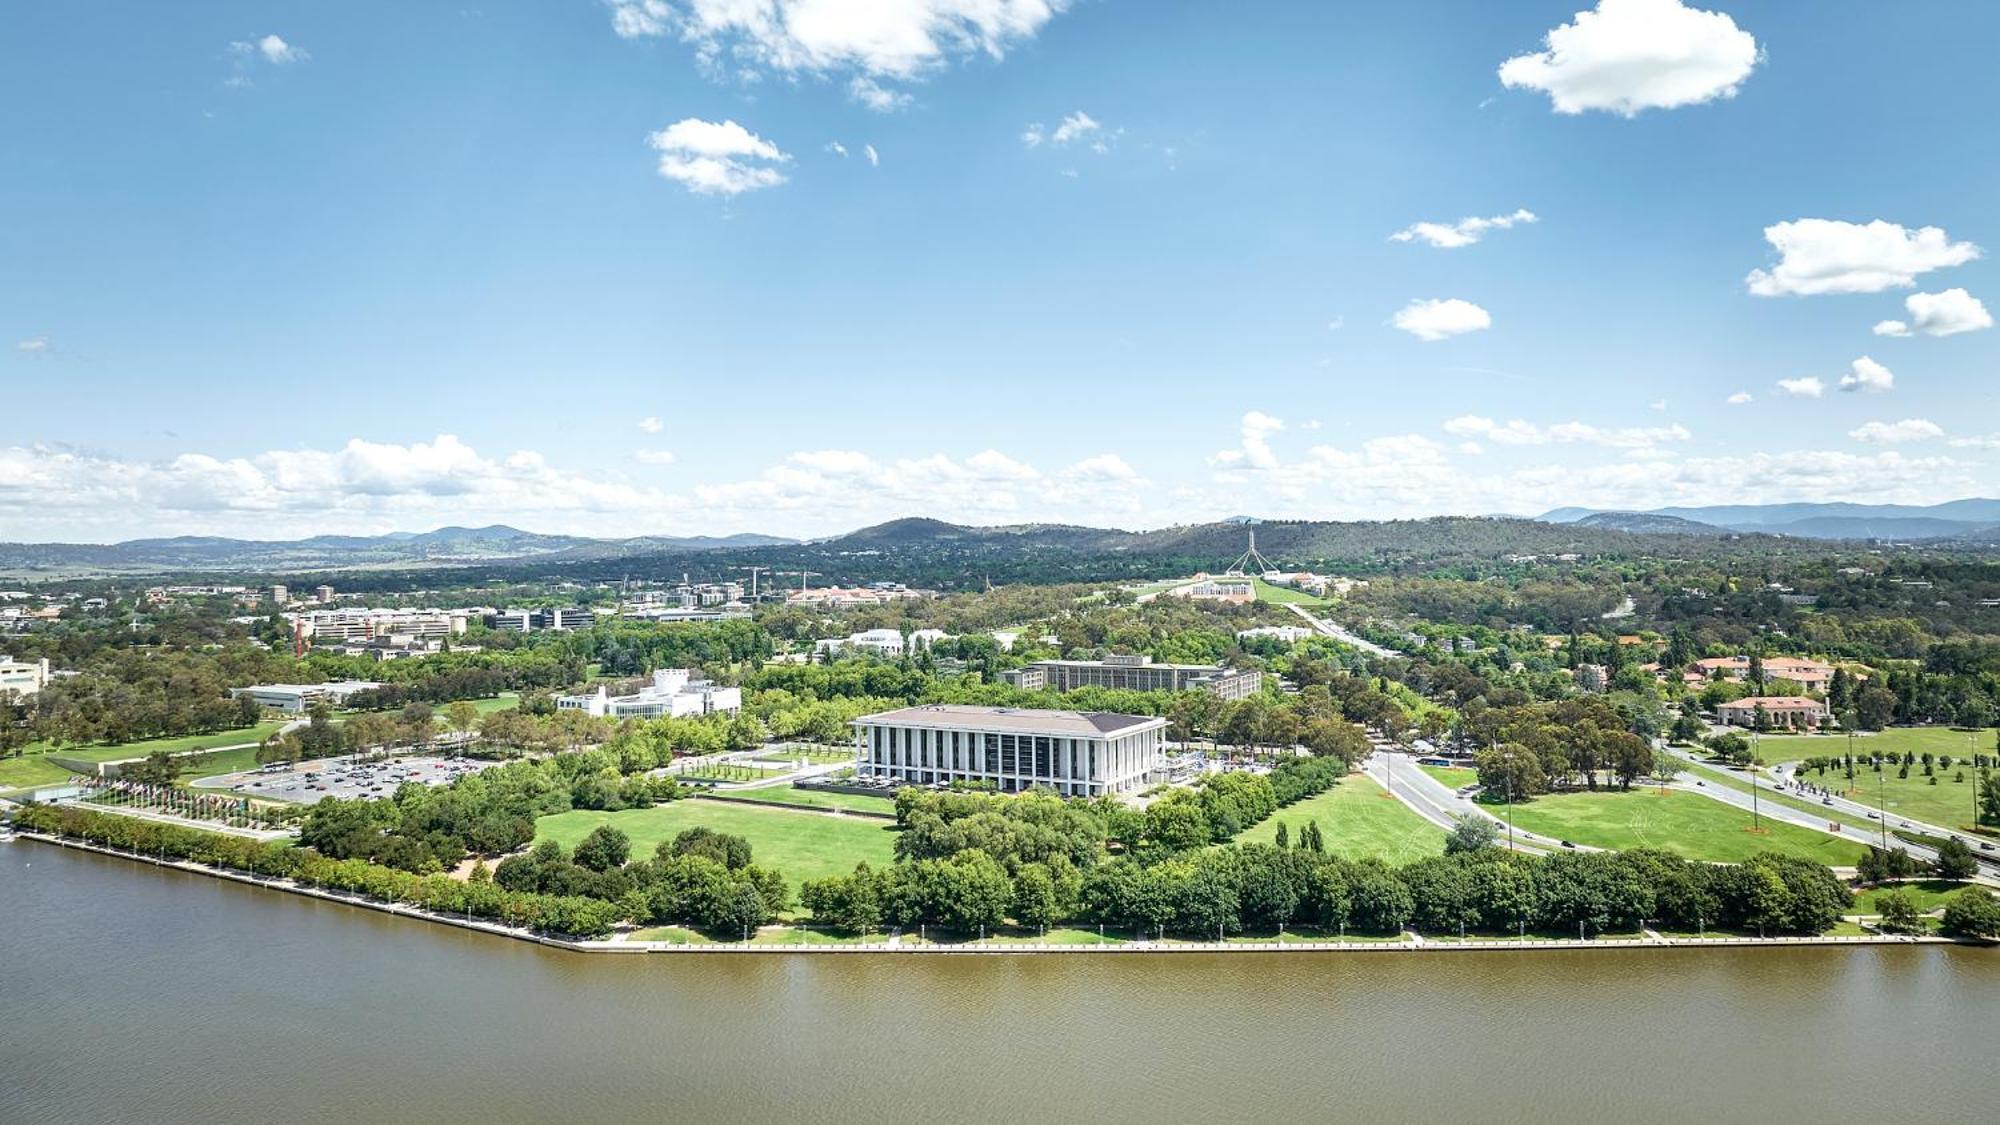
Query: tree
[(158, 768), (461, 715), (1176, 824), (1471, 833), (732, 852), (605, 848), (1955, 862), (1666, 767), (1899, 912), (1972, 912)]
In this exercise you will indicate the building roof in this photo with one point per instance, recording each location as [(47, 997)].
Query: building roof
[(1773, 703), (1063, 724)]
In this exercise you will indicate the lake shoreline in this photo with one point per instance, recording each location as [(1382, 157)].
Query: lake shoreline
[(1006, 949)]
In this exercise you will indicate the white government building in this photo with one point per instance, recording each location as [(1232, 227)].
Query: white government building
[(1077, 754), (23, 677), (674, 693)]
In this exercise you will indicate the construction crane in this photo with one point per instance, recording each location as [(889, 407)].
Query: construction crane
[(754, 572)]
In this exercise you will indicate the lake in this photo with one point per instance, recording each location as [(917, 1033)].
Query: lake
[(137, 994)]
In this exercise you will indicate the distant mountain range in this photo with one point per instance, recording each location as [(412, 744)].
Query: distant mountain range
[(446, 545), (1975, 523), (1975, 519)]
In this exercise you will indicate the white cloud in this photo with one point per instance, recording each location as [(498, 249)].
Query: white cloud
[(1432, 320), (1465, 232), (1255, 432), (650, 425), (1865, 374), (1894, 433), (1806, 386), (1990, 441), (271, 49), (1832, 256), (713, 158), (874, 158), (33, 345), (1520, 432), (1740, 398), (1939, 314), (836, 148), (872, 94), (1658, 404), (655, 456), (1632, 55), (1075, 127), (902, 39)]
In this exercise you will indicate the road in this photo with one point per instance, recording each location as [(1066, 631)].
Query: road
[(1437, 802), (1329, 629)]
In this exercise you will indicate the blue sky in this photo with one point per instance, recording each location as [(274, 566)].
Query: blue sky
[(272, 269)]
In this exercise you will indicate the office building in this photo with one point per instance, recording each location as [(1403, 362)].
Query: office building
[(1787, 712), (323, 595), (296, 698), (674, 693), (1077, 754), (22, 677), (1139, 673), (536, 620)]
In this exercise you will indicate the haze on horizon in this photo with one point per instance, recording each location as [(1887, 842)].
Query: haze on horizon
[(625, 267)]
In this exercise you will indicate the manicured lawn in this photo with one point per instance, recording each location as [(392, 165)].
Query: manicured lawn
[(1687, 824), (506, 701), (30, 772), (179, 745), (729, 771), (1283, 595), (220, 762), (811, 755), (1777, 748), (1358, 820), (1457, 777), (808, 799), (1929, 895), (1948, 804), (801, 845)]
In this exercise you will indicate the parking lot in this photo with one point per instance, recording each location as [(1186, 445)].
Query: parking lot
[(311, 782)]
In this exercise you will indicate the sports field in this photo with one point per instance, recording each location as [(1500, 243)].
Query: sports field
[(801, 845), (1358, 820), (1687, 824), (1777, 748)]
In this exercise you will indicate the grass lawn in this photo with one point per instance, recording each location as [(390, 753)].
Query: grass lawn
[(179, 745), (220, 762), (1358, 820), (1776, 748), (812, 756), (808, 799), (1948, 804), (1285, 595), (1928, 894), (801, 845), (506, 701), (1457, 777), (30, 772), (1687, 824), (729, 771)]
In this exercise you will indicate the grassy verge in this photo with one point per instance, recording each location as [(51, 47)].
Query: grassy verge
[(1455, 777), (808, 799), (1357, 818), (1687, 824)]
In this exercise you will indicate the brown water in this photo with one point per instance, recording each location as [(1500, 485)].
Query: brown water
[(133, 994)]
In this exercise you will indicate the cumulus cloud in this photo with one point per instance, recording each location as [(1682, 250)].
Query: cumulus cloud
[(650, 425), (874, 158), (836, 148), (893, 39), (1806, 386), (1894, 433), (270, 48), (1865, 374), (1939, 314), (1631, 55), (872, 94), (1075, 127), (1255, 430), (1434, 319), (1520, 432), (1740, 398), (1465, 232), (1832, 256), (711, 158)]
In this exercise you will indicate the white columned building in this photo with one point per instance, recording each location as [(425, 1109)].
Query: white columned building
[(1077, 754)]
